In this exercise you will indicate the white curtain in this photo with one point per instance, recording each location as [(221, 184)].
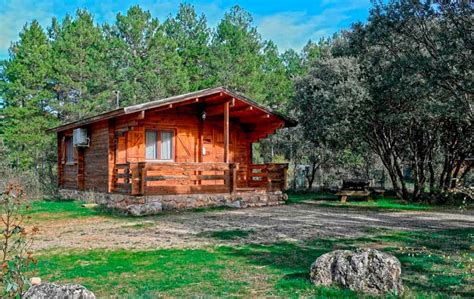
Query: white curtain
[(166, 145), (150, 144)]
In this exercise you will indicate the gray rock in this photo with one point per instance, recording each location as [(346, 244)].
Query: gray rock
[(144, 209), (364, 270), (233, 204), (56, 291)]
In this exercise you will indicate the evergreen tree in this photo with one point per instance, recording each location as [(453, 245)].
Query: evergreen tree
[(24, 87), (146, 65), (191, 35), (80, 69), (278, 86), (236, 54)]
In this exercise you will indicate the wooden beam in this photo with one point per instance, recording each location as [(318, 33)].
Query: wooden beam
[(217, 109), (111, 156), (226, 132)]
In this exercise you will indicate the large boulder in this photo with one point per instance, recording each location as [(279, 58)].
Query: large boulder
[(144, 209), (364, 270), (51, 290)]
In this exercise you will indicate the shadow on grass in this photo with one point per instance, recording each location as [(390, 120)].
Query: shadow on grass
[(227, 234)]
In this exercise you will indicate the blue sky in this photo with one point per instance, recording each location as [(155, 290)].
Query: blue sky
[(288, 23)]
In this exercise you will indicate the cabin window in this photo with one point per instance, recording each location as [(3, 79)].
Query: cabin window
[(151, 142), (69, 150), (159, 145)]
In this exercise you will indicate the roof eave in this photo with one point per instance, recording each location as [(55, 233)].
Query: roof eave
[(89, 120), (171, 100)]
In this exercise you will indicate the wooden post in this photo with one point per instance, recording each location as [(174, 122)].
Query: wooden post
[(201, 140), (112, 159), (142, 173), (285, 177), (233, 167), (267, 169), (226, 132), (135, 174)]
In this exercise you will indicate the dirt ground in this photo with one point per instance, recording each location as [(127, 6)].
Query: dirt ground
[(297, 222)]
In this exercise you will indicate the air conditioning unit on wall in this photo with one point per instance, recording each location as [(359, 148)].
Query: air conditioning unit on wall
[(79, 137)]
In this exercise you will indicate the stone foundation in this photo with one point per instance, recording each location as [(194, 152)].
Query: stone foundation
[(256, 198)]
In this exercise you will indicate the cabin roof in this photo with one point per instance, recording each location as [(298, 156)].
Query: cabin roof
[(172, 100)]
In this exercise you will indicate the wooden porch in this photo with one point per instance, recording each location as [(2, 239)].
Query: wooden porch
[(168, 178)]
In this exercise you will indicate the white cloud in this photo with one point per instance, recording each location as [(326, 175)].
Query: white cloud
[(293, 29), (15, 14)]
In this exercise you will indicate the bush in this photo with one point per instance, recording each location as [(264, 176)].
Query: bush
[(15, 241)]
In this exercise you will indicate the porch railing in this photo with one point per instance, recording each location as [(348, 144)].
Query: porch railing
[(159, 178), (272, 176)]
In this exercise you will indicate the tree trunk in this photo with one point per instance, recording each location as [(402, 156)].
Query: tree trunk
[(310, 176)]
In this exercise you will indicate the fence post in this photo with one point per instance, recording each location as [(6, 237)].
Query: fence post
[(269, 169), (285, 177), (233, 167), (135, 173), (142, 174)]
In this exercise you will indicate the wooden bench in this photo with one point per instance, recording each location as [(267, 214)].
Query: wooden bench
[(354, 188), (345, 194)]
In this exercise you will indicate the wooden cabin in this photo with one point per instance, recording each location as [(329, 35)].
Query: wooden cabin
[(195, 143)]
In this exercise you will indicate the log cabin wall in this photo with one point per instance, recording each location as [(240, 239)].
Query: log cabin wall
[(95, 157), (67, 171), (89, 169)]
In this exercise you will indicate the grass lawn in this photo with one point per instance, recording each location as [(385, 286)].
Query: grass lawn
[(53, 210), (382, 203), (434, 264)]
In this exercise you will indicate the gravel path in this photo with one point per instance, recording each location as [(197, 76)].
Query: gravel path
[(297, 222)]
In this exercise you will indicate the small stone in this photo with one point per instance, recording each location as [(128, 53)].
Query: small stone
[(51, 290), (35, 281), (364, 270), (145, 209)]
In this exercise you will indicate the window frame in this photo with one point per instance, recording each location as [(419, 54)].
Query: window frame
[(158, 131), (68, 143)]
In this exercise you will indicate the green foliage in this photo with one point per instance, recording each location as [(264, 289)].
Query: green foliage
[(24, 89), (79, 68), (145, 64), (395, 87), (192, 36)]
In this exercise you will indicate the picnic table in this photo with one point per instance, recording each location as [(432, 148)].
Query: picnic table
[(354, 188)]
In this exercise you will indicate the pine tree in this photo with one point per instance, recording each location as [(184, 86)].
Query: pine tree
[(191, 35), (278, 85), (146, 65), (25, 82), (80, 69), (236, 54)]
